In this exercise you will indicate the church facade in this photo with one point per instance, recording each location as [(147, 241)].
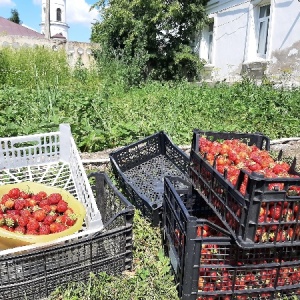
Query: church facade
[(16, 36)]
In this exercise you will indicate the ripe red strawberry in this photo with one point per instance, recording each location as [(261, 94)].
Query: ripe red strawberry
[(42, 195), (39, 215), (44, 229), (49, 219), (4, 198), (71, 219), (54, 227), (20, 204), (32, 225), (24, 195), (62, 206), (44, 202), (22, 220), (32, 231), (14, 193), (25, 213), (20, 229), (46, 208), (54, 198)]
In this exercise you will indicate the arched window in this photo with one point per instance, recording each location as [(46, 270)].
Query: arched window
[(58, 15)]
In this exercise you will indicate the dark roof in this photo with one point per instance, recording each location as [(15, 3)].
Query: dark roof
[(58, 36), (10, 28)]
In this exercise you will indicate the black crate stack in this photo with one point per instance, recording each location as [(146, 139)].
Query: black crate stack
[(220, 238)]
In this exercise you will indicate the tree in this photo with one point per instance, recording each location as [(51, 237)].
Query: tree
[(152, 36), (15, 17)]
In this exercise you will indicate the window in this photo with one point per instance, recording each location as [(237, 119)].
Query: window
[(58, 15), (206, 42), (263, 28), (210, 42)]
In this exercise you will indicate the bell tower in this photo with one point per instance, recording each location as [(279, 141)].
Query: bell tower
[(57, 19)]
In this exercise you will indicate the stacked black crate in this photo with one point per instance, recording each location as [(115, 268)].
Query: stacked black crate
[(249, 258)]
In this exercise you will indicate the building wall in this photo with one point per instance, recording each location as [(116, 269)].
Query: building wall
[(235, 33), (76, 51)]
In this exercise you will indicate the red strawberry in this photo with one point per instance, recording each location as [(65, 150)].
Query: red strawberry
[(4, 198), (19, 204), (39, 215), (24, 195), (57, 227), (22, 220), (71, 219), (46, 208), (62, 206), (44, 202), (25, 213), (14, 193), (54, 198), (49, 219), (32, 231), (20, 229), (32, 225), (42, 195), (44, 229)]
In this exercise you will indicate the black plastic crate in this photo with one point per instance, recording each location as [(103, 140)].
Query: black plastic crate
[(35, 274), (242, 211), (140, 169), (215, 265)]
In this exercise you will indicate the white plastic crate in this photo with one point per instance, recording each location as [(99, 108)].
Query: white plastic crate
[(51, 159)]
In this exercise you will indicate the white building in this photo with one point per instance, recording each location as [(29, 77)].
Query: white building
[(58, 25), (254, 37)]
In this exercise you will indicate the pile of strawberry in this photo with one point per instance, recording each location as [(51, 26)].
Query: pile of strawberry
[(37, 214), (234, 155)]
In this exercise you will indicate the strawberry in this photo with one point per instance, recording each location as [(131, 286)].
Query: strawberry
[(54, 198), (32, 225), (44, 229), (32, 232), (42, 195), (49, 219), (62, 206), (57, 227), (20, 229), (71, 219), (39, 215), (19, 204), (25, 213), (9, 204), (44, 202), (4, 198), (14, 193), (23, 220), (24, 195)]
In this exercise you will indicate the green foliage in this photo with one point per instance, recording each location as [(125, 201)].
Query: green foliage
[(15, 17), (29, 67), (149, 39), (150, 278)]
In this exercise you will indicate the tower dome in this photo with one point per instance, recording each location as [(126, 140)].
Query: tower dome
[(58, 26)]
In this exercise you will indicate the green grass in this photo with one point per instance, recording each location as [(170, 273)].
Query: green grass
[(150, 278)]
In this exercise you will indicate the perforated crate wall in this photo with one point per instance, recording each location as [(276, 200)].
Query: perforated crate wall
[(38, 271), (141, 167), (215, 265), (52, 159)]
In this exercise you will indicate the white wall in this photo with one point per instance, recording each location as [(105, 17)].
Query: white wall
[(235, 39)]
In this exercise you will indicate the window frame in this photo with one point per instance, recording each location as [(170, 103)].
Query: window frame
[(263, 30), (58, 15)]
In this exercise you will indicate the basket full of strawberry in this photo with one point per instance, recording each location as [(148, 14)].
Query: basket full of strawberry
[(33, 213)]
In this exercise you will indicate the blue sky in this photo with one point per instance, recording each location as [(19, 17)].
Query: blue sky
[(79, 18)]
